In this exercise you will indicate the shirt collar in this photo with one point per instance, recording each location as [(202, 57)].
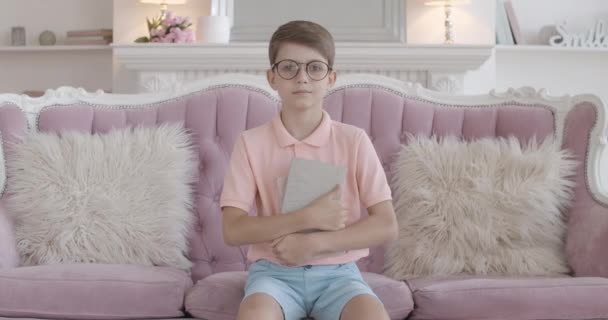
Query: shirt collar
[(317, 138)]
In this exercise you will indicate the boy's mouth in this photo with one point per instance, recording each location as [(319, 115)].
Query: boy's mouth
[(302, 92)]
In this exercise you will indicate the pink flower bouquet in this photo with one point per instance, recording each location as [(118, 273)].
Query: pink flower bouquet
[(169, 29)]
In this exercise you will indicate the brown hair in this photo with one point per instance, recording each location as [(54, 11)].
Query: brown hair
[(306, 33)]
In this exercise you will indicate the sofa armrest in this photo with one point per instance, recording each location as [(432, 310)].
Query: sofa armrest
[(587, 240), (8, 250), (587, 236)]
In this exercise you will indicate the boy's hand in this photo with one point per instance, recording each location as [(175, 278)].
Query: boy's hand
[(294, 249), (327, 212)]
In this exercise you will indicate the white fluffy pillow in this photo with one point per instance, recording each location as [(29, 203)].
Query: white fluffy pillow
[(121, 197), (489, 206)]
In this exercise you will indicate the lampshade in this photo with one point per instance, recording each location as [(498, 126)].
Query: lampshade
[(446, 2), (164, 1), (164, 4)]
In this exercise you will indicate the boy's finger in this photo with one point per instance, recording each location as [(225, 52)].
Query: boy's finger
[(337, 188), (276, 241), (336, 192)]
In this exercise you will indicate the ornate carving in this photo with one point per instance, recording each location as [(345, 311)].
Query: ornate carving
[(157, 82), (446, 82), (527, 93)]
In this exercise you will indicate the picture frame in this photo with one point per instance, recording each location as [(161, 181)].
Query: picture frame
[(366, 21)]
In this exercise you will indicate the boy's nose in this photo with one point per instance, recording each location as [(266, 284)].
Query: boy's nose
[(302, 76)]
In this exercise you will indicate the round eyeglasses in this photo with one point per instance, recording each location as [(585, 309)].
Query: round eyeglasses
[(288, 69)]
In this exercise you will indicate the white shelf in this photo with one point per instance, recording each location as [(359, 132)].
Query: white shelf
[(548, 49), (54, 48)]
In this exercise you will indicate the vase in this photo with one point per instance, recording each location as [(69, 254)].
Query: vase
[(214, 29), (47, 38), (18, 36)]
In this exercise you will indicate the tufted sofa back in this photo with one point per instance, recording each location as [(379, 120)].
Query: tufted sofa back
[(217, 115)]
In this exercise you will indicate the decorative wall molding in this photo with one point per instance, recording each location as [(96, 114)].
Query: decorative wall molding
[(154, 67), (385, 19)]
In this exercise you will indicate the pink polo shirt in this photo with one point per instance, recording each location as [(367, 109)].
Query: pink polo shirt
[(262, 156)]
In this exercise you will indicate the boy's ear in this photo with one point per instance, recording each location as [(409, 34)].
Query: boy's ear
[(271, 76), (332, 78)]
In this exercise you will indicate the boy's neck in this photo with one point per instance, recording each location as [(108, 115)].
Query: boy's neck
[(301, 124)]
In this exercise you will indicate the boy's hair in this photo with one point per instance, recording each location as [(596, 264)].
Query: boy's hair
[(306, 33)]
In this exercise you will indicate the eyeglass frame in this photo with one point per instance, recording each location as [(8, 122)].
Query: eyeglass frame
[(274, 67)]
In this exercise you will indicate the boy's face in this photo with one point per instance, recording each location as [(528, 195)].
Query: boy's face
[(302, 91)]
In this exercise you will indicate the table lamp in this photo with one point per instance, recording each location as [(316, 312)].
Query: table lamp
[(447, 5)]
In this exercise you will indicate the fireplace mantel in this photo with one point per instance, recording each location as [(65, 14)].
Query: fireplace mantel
[(157, 67)]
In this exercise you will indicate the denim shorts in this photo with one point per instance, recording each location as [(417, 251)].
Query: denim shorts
[(319, 291)]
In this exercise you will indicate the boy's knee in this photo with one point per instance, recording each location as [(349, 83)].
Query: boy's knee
[(260, 306), (364, 307)]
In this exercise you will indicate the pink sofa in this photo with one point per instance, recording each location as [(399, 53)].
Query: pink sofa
[(218, 110)]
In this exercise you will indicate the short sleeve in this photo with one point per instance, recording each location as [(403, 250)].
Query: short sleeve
[(371, 179), (239, 184)]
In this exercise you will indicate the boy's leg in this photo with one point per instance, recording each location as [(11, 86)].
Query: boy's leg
[(270, 293), (260, 306), (364, 307), (347, 297)]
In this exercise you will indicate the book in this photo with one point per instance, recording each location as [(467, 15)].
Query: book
[(503, 29), (76, 41), (109, 38), (307, 181), (513, 23), (90, 33)]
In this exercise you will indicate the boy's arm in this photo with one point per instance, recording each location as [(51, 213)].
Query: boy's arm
[(325, 213), (378, 228), (241, 229)]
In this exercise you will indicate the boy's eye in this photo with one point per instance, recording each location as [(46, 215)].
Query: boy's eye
[(289, 67), (316, 67)]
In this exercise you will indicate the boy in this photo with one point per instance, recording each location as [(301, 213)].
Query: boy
[(298, 274)]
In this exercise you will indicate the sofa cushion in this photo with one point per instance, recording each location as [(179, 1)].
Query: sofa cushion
[(93, 291), (8, 251), (559, 297), (123, 197), (218, 296), (488, 206)]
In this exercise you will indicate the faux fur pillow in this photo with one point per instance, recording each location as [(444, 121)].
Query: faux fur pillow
[(123, 197), (489, 206)]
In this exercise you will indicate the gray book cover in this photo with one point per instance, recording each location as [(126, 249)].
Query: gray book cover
[(307, 181)]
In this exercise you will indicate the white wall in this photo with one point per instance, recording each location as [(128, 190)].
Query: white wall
[(581, 15), (560, 71), (130, 16), (42, 70)]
